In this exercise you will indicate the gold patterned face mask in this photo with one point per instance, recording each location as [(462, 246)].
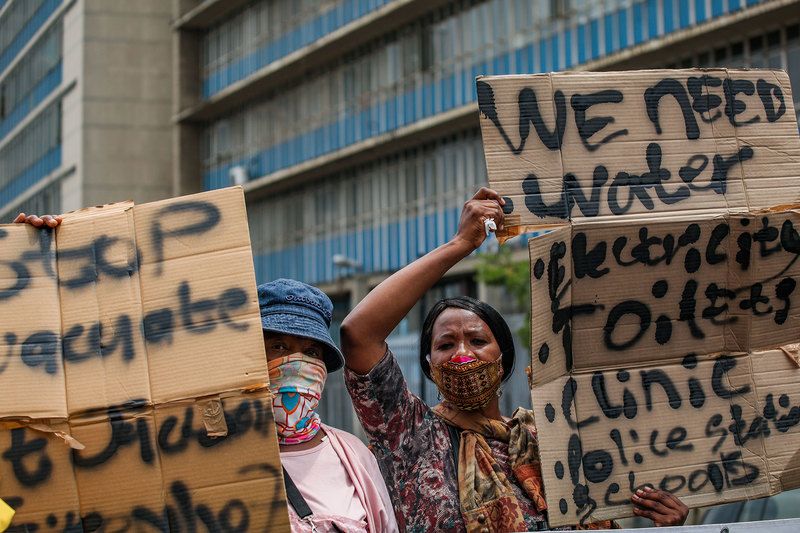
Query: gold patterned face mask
[(468, 383)]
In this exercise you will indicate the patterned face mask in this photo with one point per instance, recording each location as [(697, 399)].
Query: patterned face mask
[(296, 381), (466, 382)]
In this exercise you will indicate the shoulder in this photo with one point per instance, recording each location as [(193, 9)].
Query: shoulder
[(346, 438)]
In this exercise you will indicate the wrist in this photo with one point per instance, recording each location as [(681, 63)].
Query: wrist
[(460, 247)]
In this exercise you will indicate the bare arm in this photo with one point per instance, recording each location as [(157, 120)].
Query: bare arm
[(364, 330)]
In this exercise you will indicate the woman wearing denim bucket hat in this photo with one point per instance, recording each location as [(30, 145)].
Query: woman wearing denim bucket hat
[(461, 465), (337, 478)]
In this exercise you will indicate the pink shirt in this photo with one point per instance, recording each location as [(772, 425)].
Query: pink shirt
[(341, 483)]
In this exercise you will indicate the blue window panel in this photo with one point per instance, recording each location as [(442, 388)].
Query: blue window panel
[(31, 176), (595, 27), (430, 232), (348, 130), (652, 18), (427, 100), (502, 64), (519, 60), (283, 158), (387, 115), (752, 2), (608, 24), (449, 90), (531, 59), (683, 14), (271, 160), (372, 121), (638, 21), (467, 87), (297, 152), (622, 27), (568, 61), (475, 71), (39, 93), (348, 14), (408, 106), (699, 11), (717, 8), (319, 142), (669, 15), (394, 246), (295, 40), (733, 5), (581, 43), (36, 21), (331, 20), (554, 52), (543, 55), (318, 30)]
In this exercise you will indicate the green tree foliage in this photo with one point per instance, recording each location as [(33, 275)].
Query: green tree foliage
[(499, 269)]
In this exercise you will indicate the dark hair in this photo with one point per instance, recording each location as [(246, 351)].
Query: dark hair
[(485, 312)]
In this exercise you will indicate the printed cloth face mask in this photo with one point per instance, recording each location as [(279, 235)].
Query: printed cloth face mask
[(466, 382), (296, 381)]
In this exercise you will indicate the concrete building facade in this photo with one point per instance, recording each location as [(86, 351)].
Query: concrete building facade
[(85, 103), (353, 124)]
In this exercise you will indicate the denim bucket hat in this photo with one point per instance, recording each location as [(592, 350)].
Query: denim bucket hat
[(296, 308)]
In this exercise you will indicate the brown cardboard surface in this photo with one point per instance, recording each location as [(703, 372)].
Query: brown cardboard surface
[(571, 146), (667, 284), (42, 489), (101, 312), (162, 381), (31, 368), (628, 312)]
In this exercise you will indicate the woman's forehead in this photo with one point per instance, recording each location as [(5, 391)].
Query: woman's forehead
[(457, 317)]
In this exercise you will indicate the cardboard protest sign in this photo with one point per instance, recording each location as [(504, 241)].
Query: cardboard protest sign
[(133, 334), (663, 292), (568, 146)]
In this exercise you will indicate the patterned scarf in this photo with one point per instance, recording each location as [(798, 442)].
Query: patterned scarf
[(485, 494), (296, 381)]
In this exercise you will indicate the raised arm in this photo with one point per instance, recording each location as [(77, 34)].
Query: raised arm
[(364, 330)]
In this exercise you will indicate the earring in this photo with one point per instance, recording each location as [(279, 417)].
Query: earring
[(499, 393), (439, 395)]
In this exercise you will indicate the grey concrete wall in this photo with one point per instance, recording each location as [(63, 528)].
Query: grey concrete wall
[(126, 100)]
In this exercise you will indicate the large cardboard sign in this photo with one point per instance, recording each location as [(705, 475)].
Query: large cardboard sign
[(568, 146), (662, 297), (133, 372)]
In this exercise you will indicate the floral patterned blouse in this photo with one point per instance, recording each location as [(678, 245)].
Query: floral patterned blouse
[(415, 454)]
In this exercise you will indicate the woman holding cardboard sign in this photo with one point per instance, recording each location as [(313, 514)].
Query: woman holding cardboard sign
[(332, 480), (460, 465)]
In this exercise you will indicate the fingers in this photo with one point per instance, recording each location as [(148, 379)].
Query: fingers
[(51, 220), (45, 220), (663, 508), (485, 193)]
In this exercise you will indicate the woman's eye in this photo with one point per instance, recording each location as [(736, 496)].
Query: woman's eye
[(445, 346), (313, 353)]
